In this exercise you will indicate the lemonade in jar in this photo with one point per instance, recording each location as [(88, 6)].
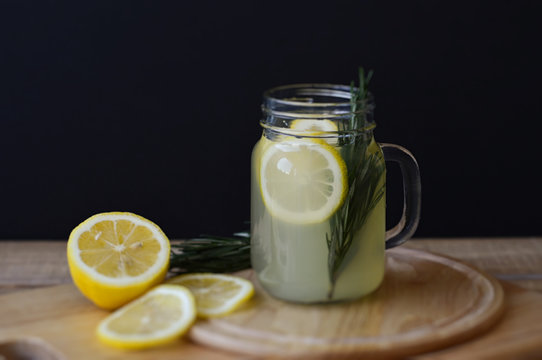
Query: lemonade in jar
[(318, 195)]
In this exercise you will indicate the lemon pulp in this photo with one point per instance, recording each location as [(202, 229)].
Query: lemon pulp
[(302, 180), (115, 257)]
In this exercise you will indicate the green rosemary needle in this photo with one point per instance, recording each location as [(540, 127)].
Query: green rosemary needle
[(209, 253)]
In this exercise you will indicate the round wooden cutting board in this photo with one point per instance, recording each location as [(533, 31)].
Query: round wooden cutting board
[(426, 302)]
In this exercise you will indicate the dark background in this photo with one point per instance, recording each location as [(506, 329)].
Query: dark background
[(153, 106)]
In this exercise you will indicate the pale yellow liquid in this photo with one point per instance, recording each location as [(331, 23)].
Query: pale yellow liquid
[(291, 260)]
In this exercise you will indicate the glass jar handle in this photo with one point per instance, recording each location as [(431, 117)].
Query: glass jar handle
[(412, 192)]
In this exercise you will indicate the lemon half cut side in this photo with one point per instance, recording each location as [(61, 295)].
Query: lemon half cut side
[(115, 257), (302, 181)]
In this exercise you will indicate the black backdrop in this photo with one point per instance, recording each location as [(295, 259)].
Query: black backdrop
[(153, 106)]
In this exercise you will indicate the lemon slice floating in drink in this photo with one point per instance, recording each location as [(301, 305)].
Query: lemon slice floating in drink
[(216, 294), (160, 316), (302, 181), (116, 257), (316, 127), (313, 125)]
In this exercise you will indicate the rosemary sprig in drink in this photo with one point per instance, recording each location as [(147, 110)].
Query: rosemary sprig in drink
[(365, 171)]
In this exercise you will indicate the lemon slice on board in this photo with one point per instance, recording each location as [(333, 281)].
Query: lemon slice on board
[(216, 294), (160, 316), (115, 257), (302, 181)]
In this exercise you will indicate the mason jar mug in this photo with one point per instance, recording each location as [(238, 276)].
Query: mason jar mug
[(318, 195)]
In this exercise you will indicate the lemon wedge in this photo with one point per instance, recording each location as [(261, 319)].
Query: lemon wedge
[(160, 316), (216, 294), (115, 257), (302, 181)]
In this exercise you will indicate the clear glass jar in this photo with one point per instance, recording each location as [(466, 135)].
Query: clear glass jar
[(318, 196)]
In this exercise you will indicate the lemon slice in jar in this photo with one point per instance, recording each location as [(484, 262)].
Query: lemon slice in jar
[(216, 294), (316, 127), (160, 316), (115, 257), (313, 125), (302, 181)]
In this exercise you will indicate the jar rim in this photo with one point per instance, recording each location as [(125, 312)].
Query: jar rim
[(313, 89), (320, 134), (320, 101)]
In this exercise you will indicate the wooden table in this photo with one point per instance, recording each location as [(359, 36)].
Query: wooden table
[(29, 264), (39, 263)]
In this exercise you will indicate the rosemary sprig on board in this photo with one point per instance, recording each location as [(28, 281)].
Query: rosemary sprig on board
[(364, 189), (210, 253)]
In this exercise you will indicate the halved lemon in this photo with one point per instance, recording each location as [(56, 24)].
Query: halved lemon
[(115, 257), (216, 294), (160, 316), (302, 181)]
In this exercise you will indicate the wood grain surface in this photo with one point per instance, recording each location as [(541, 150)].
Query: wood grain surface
[(515, 260), (425, 302), (29, 269), (60, 320), (522, 313)]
